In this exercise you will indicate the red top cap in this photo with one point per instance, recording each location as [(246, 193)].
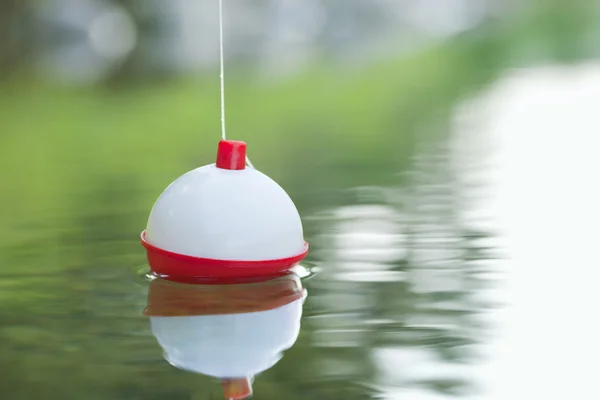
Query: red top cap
[(231, 155), (237, 388)]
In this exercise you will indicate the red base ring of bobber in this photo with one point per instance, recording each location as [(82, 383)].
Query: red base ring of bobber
[(169, 264)]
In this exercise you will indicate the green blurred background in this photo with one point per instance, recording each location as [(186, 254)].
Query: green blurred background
[(103, 104)]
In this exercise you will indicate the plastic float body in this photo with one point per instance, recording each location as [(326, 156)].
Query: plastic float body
[(224, 220), (231, 332)]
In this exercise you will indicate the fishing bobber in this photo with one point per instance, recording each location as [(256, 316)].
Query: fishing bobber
[(224, 220), (230, 332)]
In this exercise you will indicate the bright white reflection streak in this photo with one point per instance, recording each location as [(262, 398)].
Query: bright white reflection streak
[(542, 131)]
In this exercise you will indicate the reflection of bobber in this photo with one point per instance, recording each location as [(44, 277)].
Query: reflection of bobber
[(231, 332)]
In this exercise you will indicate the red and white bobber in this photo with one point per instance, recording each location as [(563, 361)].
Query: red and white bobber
[(231, 332), (224, 221)]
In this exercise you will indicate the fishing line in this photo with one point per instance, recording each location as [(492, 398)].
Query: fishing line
[(222, 77)]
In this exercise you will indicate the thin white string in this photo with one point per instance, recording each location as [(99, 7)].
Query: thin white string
[(222, 64), (223, 134)]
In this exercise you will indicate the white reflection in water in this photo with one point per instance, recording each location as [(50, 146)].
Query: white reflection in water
[(362, 241), (533, 143), (367, 233), (480, 282)]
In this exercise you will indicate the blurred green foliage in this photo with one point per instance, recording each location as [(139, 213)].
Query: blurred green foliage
[(361, 124)]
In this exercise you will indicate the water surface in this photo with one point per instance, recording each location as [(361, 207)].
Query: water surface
[(471, 278)]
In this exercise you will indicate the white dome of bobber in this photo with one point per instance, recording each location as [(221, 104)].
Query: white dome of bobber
[(229, 332), (224, 219)]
